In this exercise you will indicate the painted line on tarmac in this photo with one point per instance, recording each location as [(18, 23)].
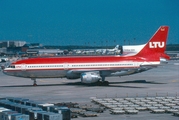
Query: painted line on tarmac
[(43, 81), (176, 63)]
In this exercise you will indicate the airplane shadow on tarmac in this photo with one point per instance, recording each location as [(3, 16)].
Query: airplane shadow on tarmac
[(79, 84)]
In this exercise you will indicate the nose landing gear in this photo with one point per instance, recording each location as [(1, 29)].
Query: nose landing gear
[(35, 82)]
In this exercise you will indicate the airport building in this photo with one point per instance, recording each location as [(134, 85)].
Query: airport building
[(44, 52), (3, 50), (12, 44)]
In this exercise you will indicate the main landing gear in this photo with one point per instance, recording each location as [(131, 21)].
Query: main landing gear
[(35, 82), (103, 82)]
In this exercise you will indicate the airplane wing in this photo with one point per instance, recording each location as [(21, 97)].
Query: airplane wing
[(86, 70), (100, 69)]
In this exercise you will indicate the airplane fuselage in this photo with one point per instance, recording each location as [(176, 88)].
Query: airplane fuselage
[(64, 66)]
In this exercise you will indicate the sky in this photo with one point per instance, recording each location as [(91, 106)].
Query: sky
[(87, 22)]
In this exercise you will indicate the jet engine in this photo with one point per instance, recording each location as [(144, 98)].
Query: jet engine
[(163, 61), (90, 77), (71, 75)]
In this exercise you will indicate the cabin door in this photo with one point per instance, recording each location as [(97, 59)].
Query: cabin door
[(65, 66), (23, 67)]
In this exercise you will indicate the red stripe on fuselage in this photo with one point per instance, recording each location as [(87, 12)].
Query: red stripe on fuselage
[(78, 59)]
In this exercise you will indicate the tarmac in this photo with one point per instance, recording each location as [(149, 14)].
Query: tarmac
[(162, 81)]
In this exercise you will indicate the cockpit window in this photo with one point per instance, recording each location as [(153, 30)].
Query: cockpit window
[(11, 66)]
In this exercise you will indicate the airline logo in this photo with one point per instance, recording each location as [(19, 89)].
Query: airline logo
[(162, 29), (18, 66), (156, 44)]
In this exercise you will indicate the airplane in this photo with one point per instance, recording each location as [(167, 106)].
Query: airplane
[(94, 69), (104, 51), (3, 59), (93, 51), (116, 48)]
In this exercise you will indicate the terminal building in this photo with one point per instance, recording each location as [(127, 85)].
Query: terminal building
[(6, 44), (44, 52)]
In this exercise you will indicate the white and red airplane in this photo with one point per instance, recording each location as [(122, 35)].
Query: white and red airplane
[(92, 69)]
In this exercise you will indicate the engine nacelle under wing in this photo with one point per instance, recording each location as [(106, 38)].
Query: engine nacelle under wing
[(90, 77), (163, 61), (71, 75)]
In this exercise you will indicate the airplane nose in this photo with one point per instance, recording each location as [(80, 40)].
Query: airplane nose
[(6, 72)]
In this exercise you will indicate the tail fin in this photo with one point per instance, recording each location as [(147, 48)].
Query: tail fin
[(157, 43), (117, 47)]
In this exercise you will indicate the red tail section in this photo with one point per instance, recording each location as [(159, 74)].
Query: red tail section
[(157, 44)]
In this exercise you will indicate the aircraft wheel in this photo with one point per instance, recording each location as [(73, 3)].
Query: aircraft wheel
[(35, 82), (105, 83)]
